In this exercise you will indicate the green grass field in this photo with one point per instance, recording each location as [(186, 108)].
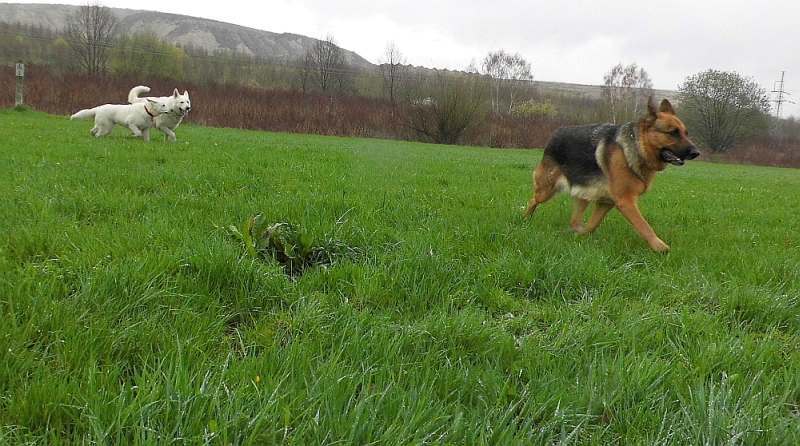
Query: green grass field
[(131, 316)]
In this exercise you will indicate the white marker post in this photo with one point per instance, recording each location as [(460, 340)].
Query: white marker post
[(19, 100)]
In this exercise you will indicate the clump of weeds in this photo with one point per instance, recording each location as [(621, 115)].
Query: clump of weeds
[(287, 244)]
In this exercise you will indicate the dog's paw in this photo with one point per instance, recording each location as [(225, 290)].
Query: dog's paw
[(658, 245)]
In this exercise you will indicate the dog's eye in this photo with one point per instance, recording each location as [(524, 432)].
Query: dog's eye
[(676, 133)]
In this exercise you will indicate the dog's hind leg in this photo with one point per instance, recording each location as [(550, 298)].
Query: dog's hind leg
[(545, 184), (601, 209), (102, 129), (576, 222)]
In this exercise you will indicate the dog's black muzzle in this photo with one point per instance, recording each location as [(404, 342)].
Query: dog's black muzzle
[(689, 153)]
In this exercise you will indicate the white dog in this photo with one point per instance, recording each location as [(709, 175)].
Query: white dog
[(167, 122), (137, 117)]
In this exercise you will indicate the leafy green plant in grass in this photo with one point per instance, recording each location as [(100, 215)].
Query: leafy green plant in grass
[(288, 245)]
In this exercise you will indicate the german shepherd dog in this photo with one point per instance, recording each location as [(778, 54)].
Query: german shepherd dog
[(612, 165)]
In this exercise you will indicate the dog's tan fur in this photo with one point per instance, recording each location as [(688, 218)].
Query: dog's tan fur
[(623, 183)]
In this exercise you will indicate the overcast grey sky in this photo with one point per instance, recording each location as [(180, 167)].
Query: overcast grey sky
[(573, 41)]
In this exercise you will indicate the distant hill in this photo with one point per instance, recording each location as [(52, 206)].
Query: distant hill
[(594, 91), (181, 30), (212, 35)]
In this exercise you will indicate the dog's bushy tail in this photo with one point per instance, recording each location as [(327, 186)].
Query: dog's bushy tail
[(84, 114), (133, 96)]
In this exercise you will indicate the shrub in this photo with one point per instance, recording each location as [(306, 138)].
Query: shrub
[(534, 109), (453, 104)]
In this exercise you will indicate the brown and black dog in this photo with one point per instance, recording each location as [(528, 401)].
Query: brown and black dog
[(612, 165)]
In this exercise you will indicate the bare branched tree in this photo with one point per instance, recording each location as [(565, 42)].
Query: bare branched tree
[(722, 108), (393, 69), (640, 91), (507, 74), (90, 33), (330, 68), (612, 90), (306, 71), (626, 89), (520, 76), (494, 66)]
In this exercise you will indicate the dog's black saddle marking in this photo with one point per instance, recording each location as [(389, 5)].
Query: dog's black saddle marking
[(574, 150)]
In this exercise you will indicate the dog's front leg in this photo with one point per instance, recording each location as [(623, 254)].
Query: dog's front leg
[(136, 132), (170, 134), (146, 135), (630, 210)]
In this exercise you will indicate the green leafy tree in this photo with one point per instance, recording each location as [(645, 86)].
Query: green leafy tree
[(721, 108)]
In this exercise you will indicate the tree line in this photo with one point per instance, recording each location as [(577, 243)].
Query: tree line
[(722, 108)]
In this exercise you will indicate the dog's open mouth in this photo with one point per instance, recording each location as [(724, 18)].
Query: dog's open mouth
[(669, 157)]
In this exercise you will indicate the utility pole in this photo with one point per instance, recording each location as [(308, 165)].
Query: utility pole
[(19, 98), (780, 92)]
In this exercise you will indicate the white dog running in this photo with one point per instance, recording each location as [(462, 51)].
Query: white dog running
[(137, 117), (180, 106)]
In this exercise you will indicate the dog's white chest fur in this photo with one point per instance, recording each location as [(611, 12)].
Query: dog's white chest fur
[(595, 191)]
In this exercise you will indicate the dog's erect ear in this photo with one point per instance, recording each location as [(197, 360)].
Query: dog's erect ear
[(175, 93), (186, 93), (666, 107)]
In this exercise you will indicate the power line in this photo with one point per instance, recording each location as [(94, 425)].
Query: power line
[(779, 90)]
